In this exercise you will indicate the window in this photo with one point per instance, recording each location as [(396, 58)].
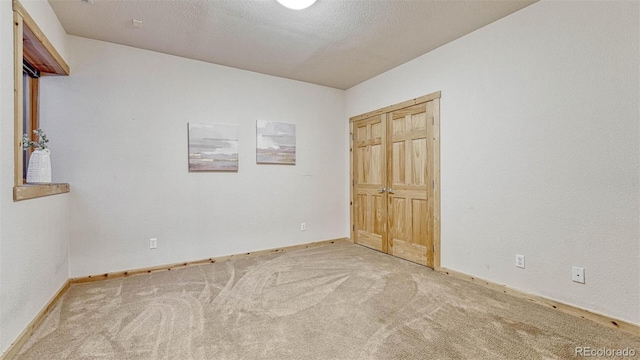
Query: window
[(33, 55)]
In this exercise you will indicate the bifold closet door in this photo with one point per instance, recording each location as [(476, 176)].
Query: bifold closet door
[(370, 177)]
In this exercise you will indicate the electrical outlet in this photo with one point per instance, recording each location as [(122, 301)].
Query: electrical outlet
[(153, 243), (520, 261), (303, 227), (577, 274)]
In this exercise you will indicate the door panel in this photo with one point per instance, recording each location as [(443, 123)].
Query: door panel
[(418, 161), (398, 171), (410, 175), (398, 217), (369, 162)]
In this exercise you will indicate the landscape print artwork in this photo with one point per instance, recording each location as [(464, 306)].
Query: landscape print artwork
[(213, 147), (275, 143)]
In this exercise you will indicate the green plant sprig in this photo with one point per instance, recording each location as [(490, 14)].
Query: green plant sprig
[(41, 144)]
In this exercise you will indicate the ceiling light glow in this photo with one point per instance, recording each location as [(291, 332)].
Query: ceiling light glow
[(296, 4)]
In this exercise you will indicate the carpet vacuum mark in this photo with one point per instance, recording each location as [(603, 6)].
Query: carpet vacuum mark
[(337, 301)]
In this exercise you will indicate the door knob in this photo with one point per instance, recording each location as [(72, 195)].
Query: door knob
[(390, 190), (381, 190)]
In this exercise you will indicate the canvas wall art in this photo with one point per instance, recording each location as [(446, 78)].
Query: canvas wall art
[(275, 143), (213, 147)]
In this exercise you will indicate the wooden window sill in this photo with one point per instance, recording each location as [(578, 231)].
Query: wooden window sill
[(32, 191)]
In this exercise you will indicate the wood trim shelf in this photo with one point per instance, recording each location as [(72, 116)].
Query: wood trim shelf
[(32, 191)]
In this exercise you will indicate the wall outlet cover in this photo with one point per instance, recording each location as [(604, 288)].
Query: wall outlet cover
[(520, 261), (577, 274)]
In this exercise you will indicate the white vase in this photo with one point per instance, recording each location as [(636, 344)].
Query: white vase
[(39, 171)]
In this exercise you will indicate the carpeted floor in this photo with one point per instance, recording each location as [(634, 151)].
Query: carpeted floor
[(338, 301)]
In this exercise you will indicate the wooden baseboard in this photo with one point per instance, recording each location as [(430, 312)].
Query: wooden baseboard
[(601, 319), (15, 347), (605, 320), (119, 274)]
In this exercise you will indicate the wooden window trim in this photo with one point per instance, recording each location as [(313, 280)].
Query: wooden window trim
[(38, 50), (34, 102), (32, 191), (34, 119), (30, 43)]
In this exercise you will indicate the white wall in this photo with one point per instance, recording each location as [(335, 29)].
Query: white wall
[(33, 233), (123, 114), (539, 149)]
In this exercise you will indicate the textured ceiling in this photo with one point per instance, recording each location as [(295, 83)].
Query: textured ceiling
[(337, 43)]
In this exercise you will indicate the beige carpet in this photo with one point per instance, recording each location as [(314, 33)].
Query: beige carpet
[(337, 301)]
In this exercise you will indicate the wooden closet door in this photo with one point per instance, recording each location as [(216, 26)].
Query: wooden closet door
[(395, 167), (369, 167), (409, 177)]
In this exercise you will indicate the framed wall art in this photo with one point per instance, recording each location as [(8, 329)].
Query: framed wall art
[(275, 143), (213, 147)]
